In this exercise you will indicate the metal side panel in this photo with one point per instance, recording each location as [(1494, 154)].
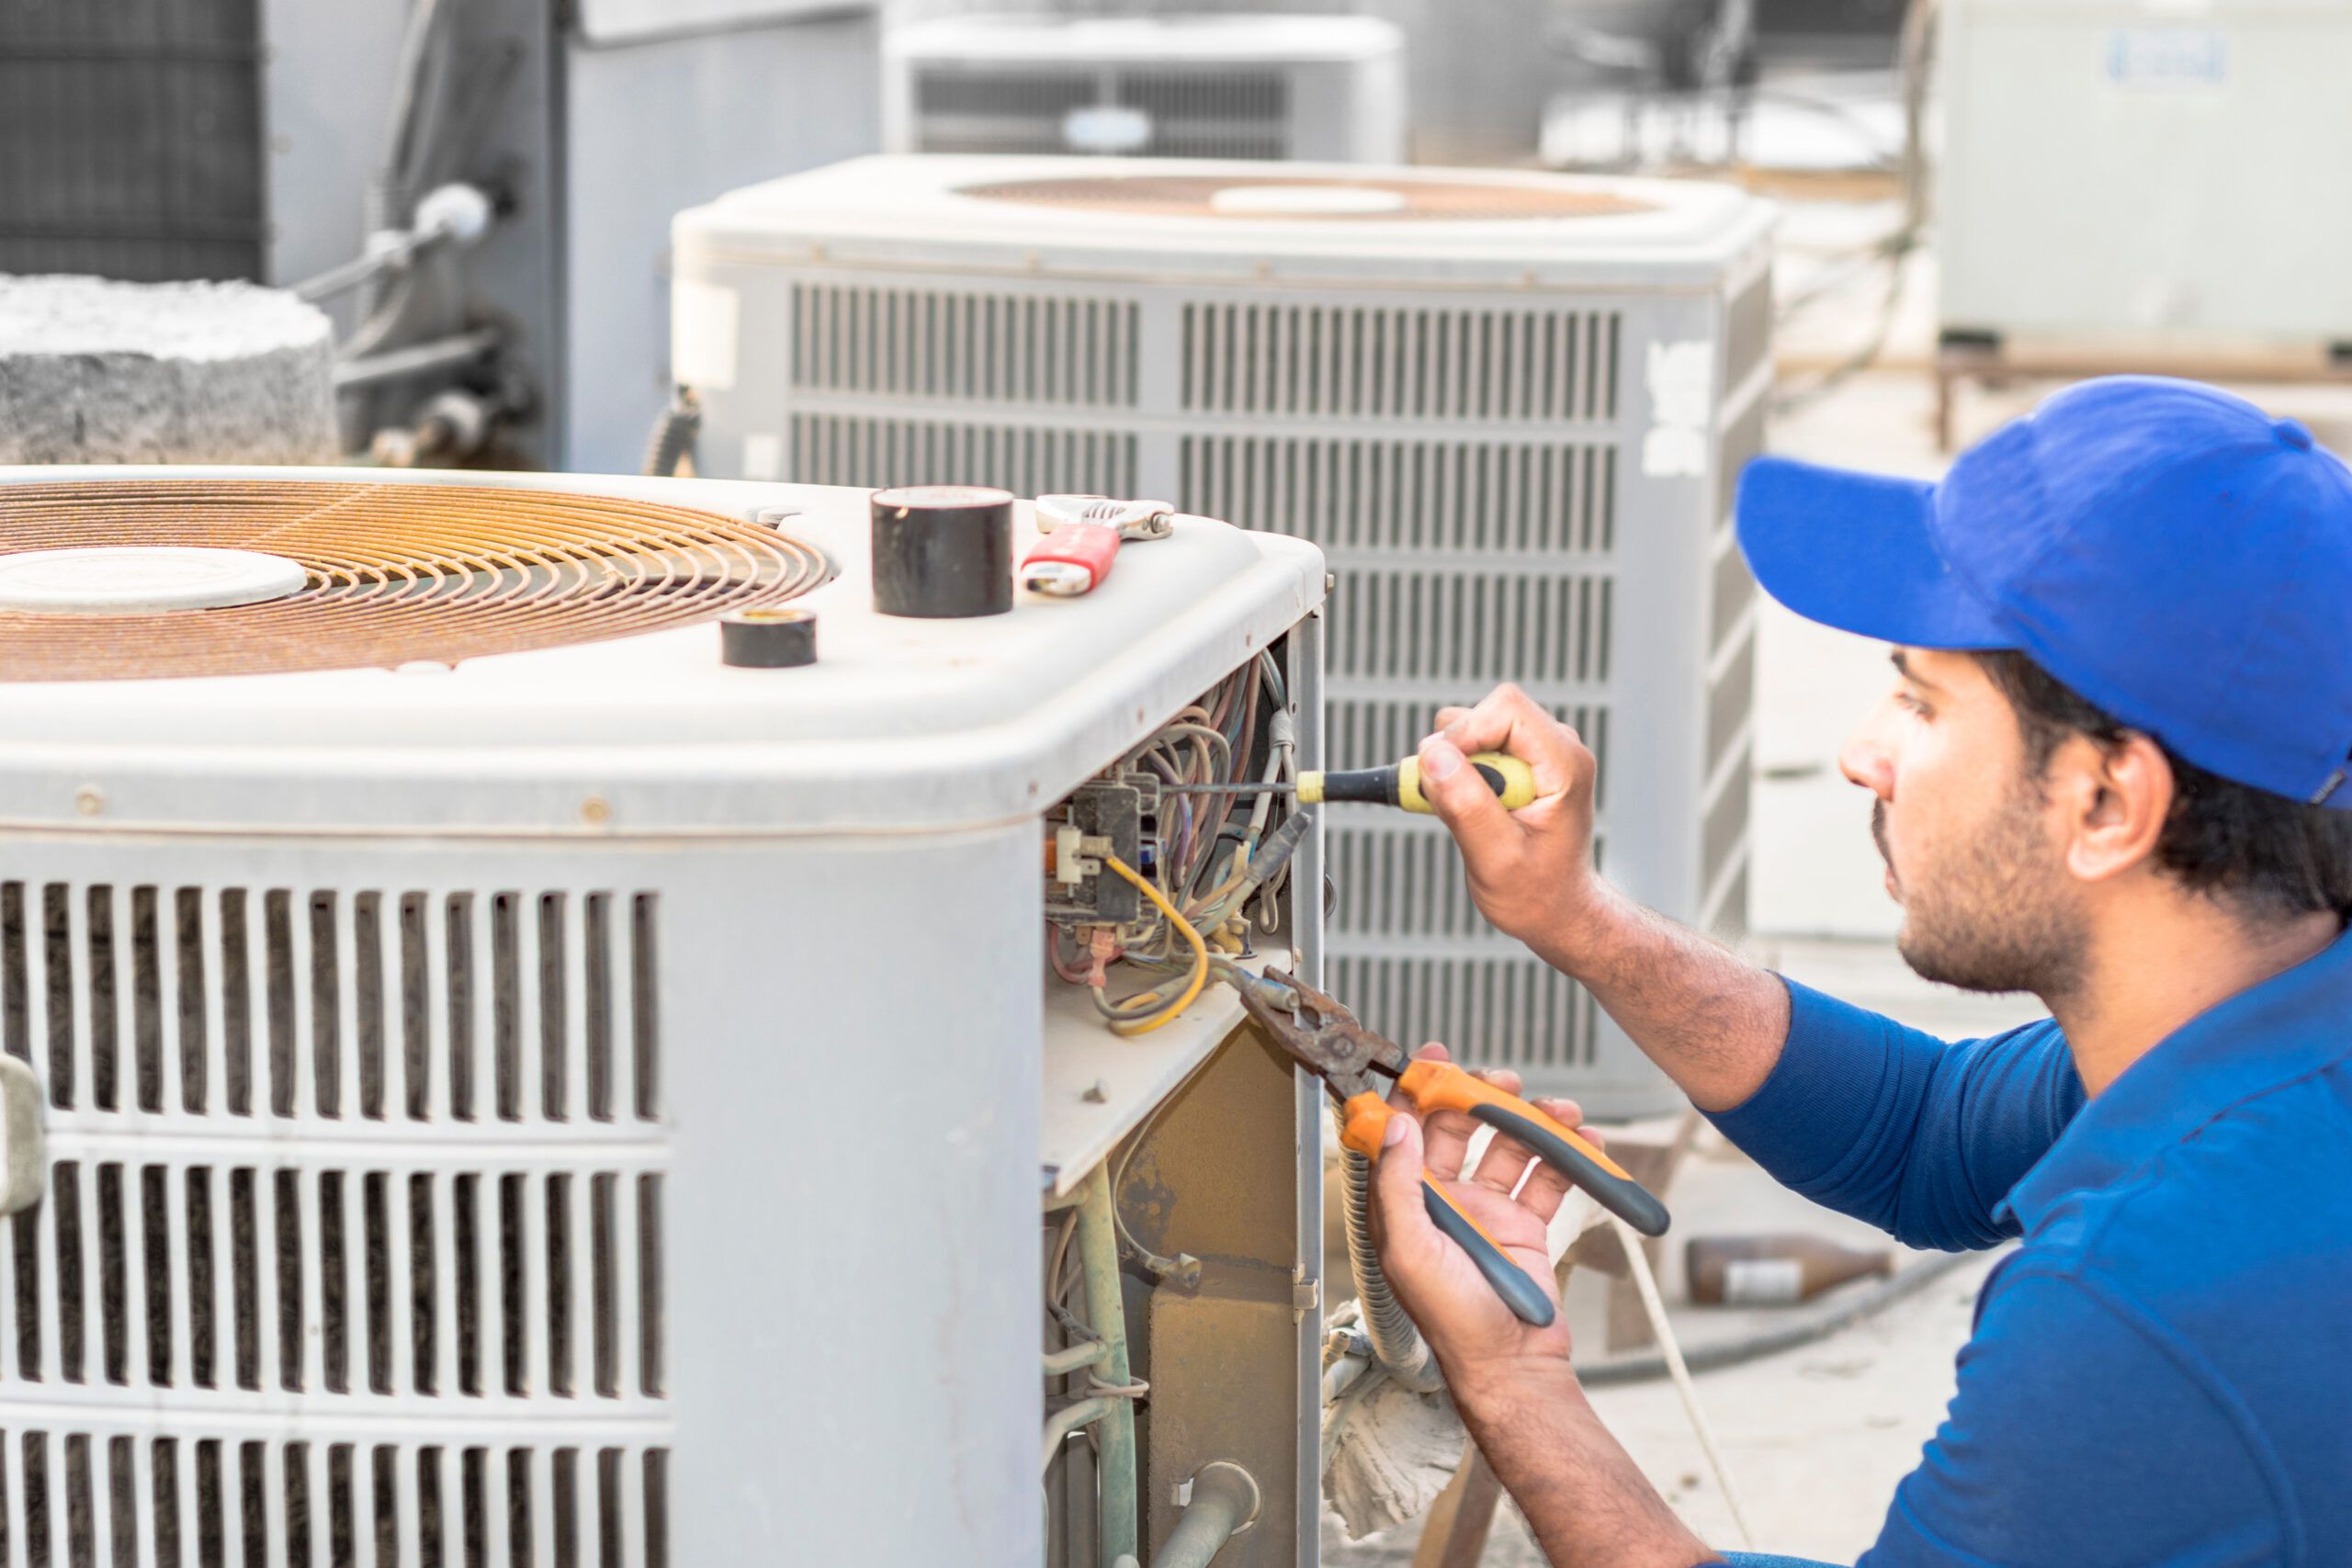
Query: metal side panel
[(857, 1203), (1310, 1106), (681, 1199), (1216, 1177), (659, 125)]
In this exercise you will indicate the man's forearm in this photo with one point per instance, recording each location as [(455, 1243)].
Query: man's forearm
[(1584, 1498), (1712, 1020)]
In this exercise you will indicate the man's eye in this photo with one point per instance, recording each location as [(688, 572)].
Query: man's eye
[(1915, 704)]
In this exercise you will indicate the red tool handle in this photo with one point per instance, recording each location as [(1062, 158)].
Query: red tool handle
[(1073, 559)]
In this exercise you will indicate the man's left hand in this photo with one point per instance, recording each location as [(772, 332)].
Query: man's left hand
[(1476, 1337)]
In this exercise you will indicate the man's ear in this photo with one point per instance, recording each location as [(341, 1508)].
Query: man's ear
[(2116, 799)]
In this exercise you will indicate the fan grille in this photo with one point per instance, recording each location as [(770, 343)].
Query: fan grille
[(398, 573), (1422, 201)]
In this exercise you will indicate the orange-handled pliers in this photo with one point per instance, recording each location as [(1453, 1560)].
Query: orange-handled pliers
[(1329, 1039)]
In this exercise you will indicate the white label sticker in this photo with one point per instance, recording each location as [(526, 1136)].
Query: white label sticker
[(1763, 1281), (702, 335), (1106, 127), (1672, 452), (2167, 58), (1680, 379)]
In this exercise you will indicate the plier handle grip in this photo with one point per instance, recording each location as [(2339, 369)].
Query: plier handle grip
[(1324, 1035)]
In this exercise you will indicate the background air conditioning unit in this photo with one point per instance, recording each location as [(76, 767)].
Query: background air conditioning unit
[(2113, 170), (1510, 407), (589, 121), (1183, 86), (516, 1090)]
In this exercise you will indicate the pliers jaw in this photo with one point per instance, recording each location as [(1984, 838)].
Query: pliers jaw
[(1318, 1031)]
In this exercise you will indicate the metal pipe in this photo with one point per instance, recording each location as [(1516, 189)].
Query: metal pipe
[(1098, 1256), (351, 274), (1068, 1419), (440, 354), (1224, 1503), (1395, 1342), (1060, 1363), (408, 93), (1081, 1523)]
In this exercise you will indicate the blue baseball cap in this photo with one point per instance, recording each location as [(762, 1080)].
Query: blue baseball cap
[(2171, 552)]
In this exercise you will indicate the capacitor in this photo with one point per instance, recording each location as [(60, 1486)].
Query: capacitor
[(768, 638), (943, 551)]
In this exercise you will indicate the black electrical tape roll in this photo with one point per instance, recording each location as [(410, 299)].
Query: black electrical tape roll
[(768, 640), (943, 551)]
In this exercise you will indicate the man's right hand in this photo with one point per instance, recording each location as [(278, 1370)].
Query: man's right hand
[(1531, 870), (1712, 1020)]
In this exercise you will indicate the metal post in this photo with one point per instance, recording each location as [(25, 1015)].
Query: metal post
[(1098, 1256)]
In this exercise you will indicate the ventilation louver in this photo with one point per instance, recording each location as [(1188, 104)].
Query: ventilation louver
[(1510, 407), (392, 573)]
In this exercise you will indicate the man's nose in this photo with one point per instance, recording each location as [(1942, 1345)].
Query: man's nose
[(1866, 763)]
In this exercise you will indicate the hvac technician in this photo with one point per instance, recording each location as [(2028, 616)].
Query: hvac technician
[(2112, 773)]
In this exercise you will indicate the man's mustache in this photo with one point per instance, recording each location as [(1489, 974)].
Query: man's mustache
[(1878, 832)]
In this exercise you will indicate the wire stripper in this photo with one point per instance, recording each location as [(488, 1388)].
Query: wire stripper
[(1327, 1038)]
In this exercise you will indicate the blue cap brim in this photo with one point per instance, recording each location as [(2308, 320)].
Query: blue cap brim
[(1857, 552)]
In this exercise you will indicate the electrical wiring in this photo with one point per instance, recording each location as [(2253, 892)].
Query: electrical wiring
[(1210, 771), (1645, 1283), (1061, 1250), (1159, 1267), (1198, 873), (1243, 735), (1053, 957), (1068, 1419), (1144, 1021)]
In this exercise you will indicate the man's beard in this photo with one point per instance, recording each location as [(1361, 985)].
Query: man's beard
[(1997, 918)]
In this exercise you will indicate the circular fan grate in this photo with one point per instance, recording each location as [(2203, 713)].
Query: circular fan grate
[(1230, 196), (397, 573)]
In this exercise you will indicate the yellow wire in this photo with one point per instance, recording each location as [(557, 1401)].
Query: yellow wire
[(1200, 950)]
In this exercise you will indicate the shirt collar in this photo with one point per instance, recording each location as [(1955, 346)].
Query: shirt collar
[(2290, 1025)]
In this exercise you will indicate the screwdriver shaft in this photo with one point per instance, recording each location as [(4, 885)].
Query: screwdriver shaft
[(1398, 785)]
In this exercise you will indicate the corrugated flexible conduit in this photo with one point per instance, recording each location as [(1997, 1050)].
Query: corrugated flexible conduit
[(1395, 1343)]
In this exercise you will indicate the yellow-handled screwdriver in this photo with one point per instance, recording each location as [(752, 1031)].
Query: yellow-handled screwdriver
[(1398, 785)]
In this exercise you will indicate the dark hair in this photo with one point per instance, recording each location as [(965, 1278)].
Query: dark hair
[(2272, 856)]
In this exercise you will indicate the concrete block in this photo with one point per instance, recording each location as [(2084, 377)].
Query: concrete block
[(96, 371)]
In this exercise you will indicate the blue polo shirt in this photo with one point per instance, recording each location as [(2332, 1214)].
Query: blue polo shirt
[(2162, 1374)]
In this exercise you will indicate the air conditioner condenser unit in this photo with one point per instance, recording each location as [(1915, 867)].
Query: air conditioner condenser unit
[(2120, 177), (487, 1081), (1510, 407), (1207, 85)]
